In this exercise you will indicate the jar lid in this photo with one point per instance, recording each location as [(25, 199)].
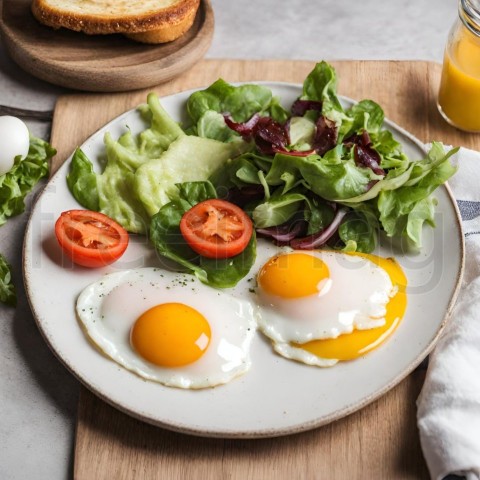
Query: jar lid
[(469, 12)]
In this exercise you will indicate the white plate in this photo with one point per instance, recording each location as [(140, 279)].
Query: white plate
[(277, 396)]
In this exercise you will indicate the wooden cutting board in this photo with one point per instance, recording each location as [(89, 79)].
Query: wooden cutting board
[(379, 441)]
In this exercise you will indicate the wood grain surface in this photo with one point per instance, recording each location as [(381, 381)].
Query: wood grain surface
[(99, 63), (379, 441)]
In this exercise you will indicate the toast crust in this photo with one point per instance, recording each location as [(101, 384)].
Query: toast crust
[(165, 34), (174, 17)]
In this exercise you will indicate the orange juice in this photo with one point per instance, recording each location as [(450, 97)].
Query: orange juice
[(459, 96)]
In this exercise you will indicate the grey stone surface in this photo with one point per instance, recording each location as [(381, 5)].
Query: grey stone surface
[(38, 396)]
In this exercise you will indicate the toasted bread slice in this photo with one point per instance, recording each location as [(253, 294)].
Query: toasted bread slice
[(149, 21), (167, 33)]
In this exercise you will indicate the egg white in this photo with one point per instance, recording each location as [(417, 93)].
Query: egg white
[(108, 308), (354, 297)]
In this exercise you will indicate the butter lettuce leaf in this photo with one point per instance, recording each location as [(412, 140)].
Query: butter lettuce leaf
[(112, 191), (116, 196), (212, 125), (162, 132), (188, 159)]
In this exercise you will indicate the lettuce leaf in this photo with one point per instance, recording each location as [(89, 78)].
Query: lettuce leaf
[(8, 295), (14, 187), (168, 241), (82, 181), (331, 177), (359, 230), (212, 125), (302, 132), (365, 115), (240, 102), (162, 132), (112, 191), (188, 159), (23, 176), (321, 86), (404, 210), (318, 214), (277, 210)]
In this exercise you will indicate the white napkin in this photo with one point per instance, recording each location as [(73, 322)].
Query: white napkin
[(448, 413)]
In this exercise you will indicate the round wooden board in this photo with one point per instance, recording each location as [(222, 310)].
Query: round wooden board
[(99, 63)]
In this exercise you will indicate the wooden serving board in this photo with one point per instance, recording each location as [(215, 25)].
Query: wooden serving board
[(379, 441), (99, 63)]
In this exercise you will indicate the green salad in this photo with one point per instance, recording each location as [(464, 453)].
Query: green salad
[(312, 175)]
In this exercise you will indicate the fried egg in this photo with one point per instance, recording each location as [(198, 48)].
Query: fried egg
[(168, 327), (319, 307)]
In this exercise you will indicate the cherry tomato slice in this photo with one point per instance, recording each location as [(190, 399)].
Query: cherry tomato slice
[(216, 229), (90, 239)]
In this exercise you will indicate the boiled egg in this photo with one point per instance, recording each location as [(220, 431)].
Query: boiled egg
[(14, 142), (168, 327), (320, 307)]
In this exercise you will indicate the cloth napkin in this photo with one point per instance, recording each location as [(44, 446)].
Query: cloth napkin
[(448, 414)]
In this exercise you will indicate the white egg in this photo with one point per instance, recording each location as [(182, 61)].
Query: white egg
[(14, 142), (109, 308), (300, 300)]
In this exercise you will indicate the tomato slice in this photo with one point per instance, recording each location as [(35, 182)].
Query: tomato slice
[(90, 239), (216, 229)]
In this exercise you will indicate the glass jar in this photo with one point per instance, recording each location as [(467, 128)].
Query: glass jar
[(459, 95)]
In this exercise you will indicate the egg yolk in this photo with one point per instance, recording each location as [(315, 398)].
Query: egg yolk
[(358, 343), (171, 335), (293, 275)]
